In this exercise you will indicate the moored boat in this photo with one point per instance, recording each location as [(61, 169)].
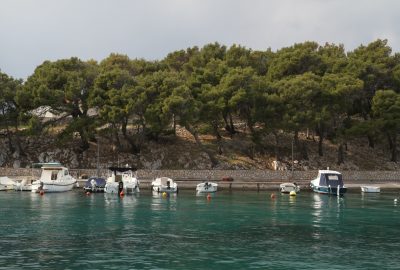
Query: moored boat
[(6, 183), (164, 184), (54, 178), (122, 179), (370, 189), (328, 182), (289, 187), (23, 185), (206, 187), (95, 184)]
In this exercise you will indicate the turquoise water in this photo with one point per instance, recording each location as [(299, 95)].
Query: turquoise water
[(238, 230)]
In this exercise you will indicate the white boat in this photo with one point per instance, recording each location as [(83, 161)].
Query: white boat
[(6, 183), (24, 185), (328, 182), (164, 184), (370, 189), (54, 178), (288, 187), (207, 187), (122, 179)]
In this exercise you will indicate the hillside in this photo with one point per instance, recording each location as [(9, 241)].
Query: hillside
[(181, 152)]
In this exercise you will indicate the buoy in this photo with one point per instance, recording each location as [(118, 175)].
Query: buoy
[(41, 192), (208, 197), (87, 193), (164, 194), (273, 196), (292, 193), (121, 194)]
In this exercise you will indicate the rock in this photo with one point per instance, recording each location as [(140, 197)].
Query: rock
[(16, 164)]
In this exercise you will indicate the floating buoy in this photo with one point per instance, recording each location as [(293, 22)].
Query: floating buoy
[(292, 193), (41, 192), (208, 197), (121, 194), (273, 196), (164, 194)]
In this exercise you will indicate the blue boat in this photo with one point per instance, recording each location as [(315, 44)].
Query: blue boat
[(328, 182), (95, 184)]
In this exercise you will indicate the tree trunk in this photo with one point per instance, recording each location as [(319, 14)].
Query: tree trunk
[(134, 147), (320, 150), (371, 142), (340, 154), (9, 138), (192, 130), (393, 147), (304, 151), (276, 146), (232, 127)]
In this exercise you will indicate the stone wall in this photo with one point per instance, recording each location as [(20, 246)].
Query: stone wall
[(217, 175)]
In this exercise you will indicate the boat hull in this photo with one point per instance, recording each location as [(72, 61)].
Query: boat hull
[(289, 187), (165, 189), (53, 187), (370, 189), (329, 190), (116, 187), (203, 188)]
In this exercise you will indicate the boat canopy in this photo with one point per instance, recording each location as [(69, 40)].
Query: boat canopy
[(121, 169), (330, 178), (100, 182)]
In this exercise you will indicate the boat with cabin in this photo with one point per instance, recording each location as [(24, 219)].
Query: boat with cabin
[(207, 187), (54, 178), (328, 182), (164, 184), (122, 179)]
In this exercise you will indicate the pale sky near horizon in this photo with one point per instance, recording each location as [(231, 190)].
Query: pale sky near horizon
[(32, 31)]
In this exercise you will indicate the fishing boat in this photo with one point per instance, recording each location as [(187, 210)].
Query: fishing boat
[(328, 182), (164, 184), (206, 187), (54, 178), (95, 185), (289, 187), (6, 183), (370, 189), (122, 179)]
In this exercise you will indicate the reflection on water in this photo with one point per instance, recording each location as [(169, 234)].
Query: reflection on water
[(238, 230)]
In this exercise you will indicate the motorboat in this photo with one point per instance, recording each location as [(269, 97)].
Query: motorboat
[(289, 187), (206, 187), (328, 182), (95, 184), (23, 185), (6, 183), (122, 179), (164, 184), (54, 178), (370, 189)]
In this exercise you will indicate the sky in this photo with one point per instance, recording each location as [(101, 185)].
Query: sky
[(32, 31)]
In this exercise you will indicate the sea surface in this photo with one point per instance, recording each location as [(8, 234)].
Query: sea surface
[(232, 230)]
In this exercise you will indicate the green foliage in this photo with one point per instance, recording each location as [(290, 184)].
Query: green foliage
[(304, 86)]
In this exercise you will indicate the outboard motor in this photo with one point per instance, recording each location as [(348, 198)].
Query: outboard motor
[(120, 186)]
